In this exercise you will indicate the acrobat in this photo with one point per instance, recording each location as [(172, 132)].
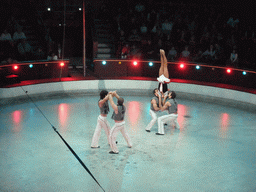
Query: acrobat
[(163, 78), (154, 108), (172, 107), (162, 90), (118, 117), (102, 122)]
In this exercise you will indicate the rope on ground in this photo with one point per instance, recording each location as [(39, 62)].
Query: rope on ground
[(70, 148)]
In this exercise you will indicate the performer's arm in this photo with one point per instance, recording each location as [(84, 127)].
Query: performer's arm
[(114, 94), (102, 101), (156, 108), (166, 105), (165, 97), (113, 105)]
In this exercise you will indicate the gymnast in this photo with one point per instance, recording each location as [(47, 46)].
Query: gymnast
[(163, 78)]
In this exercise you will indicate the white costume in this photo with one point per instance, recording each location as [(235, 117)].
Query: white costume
[(119, 126), (166, 119), (153, 114), (170, 118), (113, 134), (102, 123)]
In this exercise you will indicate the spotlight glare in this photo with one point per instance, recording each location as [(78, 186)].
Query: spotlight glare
[(30, 66), (150, 64), (135, 63), (197, 67), (182, 65), (104, 62), (80, 9), (15, 67), (228, 70), (244, 73), (62, 64)]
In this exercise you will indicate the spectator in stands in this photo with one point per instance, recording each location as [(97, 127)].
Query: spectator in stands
[(155, 37), (205, 40), (231, 22), (25, 50), (8, 61), (6, 43), (139, 11), (198, 56), (185, 54), (135, 52), (52, 57), (39, 54), (134, 37), (172, 54), (218, 53), (209, 54), (151, 19), (133, 25), (166, 29), (19, 35), (233, 60), (148, 50), (120, 43), (192, 27), (5, 36), (143, 29), (192, 46), (125, 51)]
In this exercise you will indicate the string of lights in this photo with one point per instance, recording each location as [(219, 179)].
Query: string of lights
[(182, 65)]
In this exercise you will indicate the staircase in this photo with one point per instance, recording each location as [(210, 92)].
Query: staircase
[(105, 38)]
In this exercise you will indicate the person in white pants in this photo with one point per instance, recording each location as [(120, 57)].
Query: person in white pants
[(102, 122), (172, 107), (162, 90), (118, 117), (154, 108)]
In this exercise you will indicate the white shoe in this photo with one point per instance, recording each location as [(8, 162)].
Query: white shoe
[(163, 79)]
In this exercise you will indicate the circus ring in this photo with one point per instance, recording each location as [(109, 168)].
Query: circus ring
[(214, 149)]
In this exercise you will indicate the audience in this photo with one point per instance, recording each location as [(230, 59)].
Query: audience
[(146, 29), (233, 60), (185, 54), (172, 28), (52, 57), (6, 44), (125, 51), (135, 52), (25, 50), (172, 54), (19, 35)]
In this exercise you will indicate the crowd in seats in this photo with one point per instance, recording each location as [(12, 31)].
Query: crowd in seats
[(196, 34), (16, 47)]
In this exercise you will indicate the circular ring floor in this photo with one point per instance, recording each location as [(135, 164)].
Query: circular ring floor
[(215, 149)]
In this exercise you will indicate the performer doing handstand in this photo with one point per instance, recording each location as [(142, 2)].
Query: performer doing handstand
[(163, 78)]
